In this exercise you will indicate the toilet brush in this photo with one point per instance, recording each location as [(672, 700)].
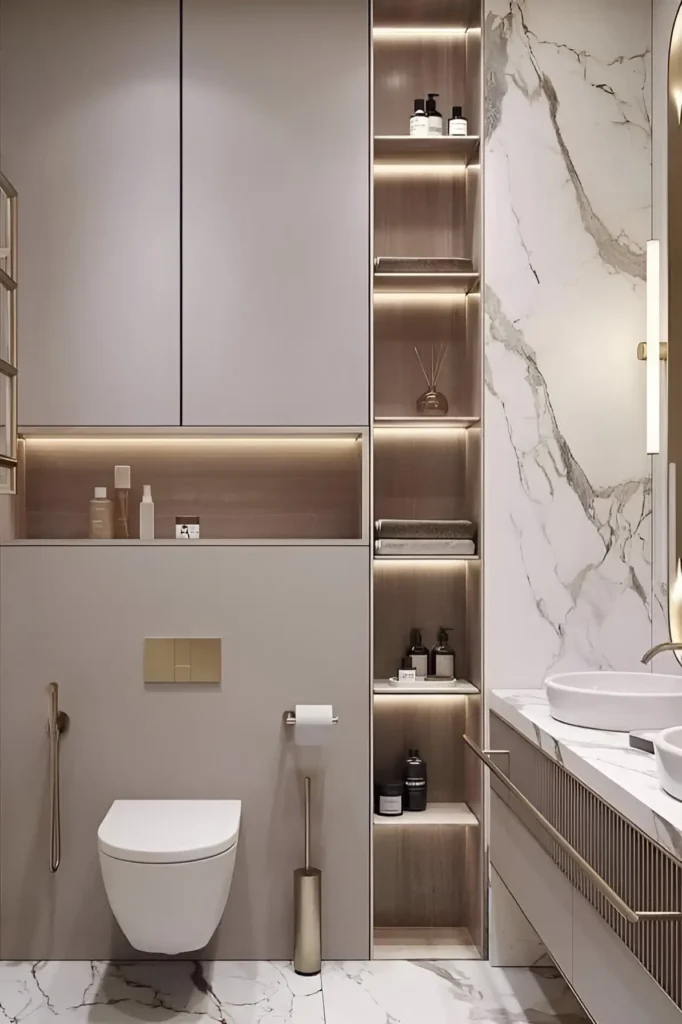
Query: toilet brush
[(307, 907)]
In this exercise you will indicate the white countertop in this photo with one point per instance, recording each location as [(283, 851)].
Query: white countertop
[(625, 778)]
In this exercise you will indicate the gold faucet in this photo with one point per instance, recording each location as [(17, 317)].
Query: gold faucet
[(658, 649)]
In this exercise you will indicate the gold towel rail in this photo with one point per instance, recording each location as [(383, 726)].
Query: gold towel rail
[(609, 894)]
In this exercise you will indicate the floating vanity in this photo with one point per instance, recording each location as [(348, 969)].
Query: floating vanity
[(595, 861), (625, 778)]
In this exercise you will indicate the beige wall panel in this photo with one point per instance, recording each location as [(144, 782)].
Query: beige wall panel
[(294, 629)]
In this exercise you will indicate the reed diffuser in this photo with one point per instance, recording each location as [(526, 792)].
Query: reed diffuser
[(433, 402)]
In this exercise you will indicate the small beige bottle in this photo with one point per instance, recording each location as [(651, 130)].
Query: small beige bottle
[(101, 516)]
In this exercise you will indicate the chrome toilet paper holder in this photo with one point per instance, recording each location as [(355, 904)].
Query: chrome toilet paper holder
[(290, 718)]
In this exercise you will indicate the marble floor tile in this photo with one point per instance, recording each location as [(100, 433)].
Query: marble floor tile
[(445, 992), (76, 992)]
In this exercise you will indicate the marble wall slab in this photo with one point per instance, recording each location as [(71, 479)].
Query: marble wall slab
[(568, 214)]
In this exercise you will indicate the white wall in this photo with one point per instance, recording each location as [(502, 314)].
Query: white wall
[(568, 214)]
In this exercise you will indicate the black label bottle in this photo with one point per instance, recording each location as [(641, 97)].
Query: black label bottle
[(415, 782), (457, 125), (418, 654), (443, 656)]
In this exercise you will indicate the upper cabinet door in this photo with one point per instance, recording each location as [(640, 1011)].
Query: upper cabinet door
[(276, 212), (90, 137)]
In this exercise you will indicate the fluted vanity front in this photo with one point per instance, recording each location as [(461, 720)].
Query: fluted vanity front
[(608, 901)]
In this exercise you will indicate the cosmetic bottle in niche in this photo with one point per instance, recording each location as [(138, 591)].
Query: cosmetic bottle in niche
[(418, 654), (431, 402), (419, 122), (443, 656), (457, 125), (433, 115), (406, 673), (101, 516), (121, 495), (146, 514), (388, 798), (415, 782)]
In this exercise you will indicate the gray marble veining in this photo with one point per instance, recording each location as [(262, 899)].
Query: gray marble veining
[(377, 992), (567, 192), (179, 991), (381, 992)]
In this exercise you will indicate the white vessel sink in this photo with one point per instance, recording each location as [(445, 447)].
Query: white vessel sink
[(668, 747), (616, 701)]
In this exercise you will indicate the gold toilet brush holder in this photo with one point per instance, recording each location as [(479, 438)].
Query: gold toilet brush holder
[(307, 907)]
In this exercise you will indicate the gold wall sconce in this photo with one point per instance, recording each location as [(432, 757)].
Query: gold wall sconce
[(651, 351), (642, 350)]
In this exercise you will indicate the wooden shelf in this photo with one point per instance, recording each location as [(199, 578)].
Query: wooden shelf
[(444, 274), (437, 33), (451, 283), (451, 815), (208, 434), (458, 686), (424, 944), (135, 542), (426, 423), (426, 558), (445, 149)]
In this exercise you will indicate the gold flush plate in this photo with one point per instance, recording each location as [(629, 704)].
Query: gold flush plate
[(182, 660)]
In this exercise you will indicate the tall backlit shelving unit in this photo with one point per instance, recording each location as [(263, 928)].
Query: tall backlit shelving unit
[(429, 876)]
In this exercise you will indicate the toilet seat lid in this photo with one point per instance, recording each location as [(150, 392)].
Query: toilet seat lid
[(169, 831)]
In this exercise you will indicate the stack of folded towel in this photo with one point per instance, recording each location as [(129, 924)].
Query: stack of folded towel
[(425, 537)]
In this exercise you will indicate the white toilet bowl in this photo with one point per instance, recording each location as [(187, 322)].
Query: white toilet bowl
[(167, 867)]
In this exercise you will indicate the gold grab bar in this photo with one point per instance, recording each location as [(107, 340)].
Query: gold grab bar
[(57, 723), (8, 365), (609, 894)]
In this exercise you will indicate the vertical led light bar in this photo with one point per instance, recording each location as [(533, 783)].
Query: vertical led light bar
[(653, 347)]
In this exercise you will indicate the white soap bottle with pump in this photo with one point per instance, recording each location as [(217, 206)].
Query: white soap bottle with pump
[(146, 514)]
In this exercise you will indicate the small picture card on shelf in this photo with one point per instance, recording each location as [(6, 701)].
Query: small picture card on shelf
[(187, 528)]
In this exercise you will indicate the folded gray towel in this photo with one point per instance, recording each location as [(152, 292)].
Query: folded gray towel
[(424, 547), (425, 529)]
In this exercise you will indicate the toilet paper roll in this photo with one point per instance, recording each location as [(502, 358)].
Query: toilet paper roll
[(313, 724)]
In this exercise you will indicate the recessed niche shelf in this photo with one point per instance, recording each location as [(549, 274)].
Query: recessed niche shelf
[(418, 423), (245, 485), (262, 434), (438, 284), (422, 33), (424, 944), (445, 149), (459, 686), (133, 542), (429, 274), (429, 894), (422, 265), (426, 559), (434, 815)]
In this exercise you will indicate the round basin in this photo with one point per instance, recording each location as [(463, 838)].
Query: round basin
[(668, 747), (616, 701)]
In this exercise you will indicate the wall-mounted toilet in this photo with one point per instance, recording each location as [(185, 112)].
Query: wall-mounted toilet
[(167, 867)]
